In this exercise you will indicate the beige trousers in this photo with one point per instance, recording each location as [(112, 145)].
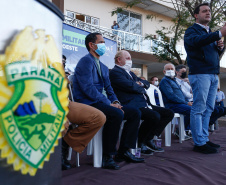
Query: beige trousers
[(89, 121)]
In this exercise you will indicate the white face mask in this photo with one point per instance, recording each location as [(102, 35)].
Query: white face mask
[(128, 65), (156, 83), (170, 73)]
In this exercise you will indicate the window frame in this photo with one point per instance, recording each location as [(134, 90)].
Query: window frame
[(91, 17), (141, 25)]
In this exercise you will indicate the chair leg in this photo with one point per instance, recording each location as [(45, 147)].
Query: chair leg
[(120, 133), (212, 127), (90, 148), (69, 154), (181, 128), (97, 149), (77, 159), (168, 134), (173, 123)]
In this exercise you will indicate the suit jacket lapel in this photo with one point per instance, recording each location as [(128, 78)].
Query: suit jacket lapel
[(124, 71), (95, 64), (134, 77)]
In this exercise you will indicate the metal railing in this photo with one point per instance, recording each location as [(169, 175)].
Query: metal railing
[(90, 28), (125, 40)]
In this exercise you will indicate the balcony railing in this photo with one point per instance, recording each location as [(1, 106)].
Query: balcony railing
[(125, 40), (90, 28)]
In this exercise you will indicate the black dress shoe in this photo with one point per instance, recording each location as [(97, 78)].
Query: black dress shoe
[(213, 145), (151, 145), (65, 150), (128, 157), (65, 164), (109, 163), (205, 149), (145, 150)]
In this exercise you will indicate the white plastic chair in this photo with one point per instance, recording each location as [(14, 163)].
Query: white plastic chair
[(95, 145), (151, 95), (95, 148)]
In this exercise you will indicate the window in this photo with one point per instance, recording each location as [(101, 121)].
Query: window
[(129, 22), (84, 18)]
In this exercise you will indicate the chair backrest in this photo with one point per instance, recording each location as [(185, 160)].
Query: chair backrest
[(151, 94), (70, 78)]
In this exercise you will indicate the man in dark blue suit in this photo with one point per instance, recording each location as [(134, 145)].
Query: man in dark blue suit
[(92, 86), (131, 91), (203, 49)]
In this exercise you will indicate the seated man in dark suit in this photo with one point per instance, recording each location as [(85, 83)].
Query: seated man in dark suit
[(92, 86), (131, 91)]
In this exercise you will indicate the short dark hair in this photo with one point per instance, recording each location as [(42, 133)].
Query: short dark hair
[(197, 8), (181, 66), (64, 57), (152, 78), (92, 37)]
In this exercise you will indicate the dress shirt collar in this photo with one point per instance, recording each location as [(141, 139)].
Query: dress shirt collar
[(207, 28), (179, 80), (124, 69), (171, 78)]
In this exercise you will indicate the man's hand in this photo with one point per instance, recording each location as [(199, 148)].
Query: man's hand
[(139, 83), (186, 80), (117, 106), (190, 103), (223, 30), (220, 44)]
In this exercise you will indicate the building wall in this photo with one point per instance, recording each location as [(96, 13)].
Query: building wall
[(102, 9)]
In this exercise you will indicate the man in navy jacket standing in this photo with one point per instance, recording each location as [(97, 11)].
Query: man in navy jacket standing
[(203, 49), (131, 91), (92, 86)]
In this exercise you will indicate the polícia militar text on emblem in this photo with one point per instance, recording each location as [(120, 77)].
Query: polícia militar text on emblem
[(33, 100)]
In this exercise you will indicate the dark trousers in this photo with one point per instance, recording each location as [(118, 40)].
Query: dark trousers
[(221, 104), (182, 109), (155, 120), (217, 113), (114, 118)]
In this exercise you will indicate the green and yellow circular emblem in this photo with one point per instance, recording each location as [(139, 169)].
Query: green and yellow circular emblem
[(33, 100)]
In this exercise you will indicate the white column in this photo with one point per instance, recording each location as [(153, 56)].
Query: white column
[(145, 71)]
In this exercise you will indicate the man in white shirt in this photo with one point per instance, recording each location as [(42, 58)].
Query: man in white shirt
[(220, 98), (155, 82), (183, 82)]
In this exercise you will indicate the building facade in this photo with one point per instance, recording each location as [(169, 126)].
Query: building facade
[(134, 25)]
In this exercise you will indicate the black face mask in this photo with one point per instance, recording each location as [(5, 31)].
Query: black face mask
[(183, 75)]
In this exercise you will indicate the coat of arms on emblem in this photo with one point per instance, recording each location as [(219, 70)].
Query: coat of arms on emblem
[(33, 100)]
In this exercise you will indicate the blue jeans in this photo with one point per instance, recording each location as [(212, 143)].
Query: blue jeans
[(204, 87)]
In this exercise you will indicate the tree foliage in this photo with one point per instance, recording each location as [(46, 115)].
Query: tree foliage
[(166, 48)]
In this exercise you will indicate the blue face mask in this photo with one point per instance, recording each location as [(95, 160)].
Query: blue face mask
[(101, 48)]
